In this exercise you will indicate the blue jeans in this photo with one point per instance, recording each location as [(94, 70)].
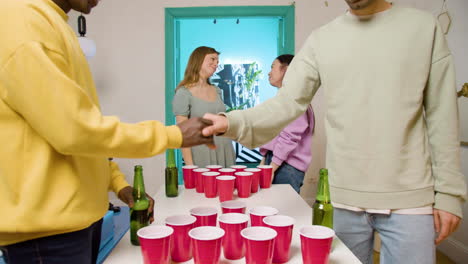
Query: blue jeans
[(286, 174), (405, 238), (79, 247)]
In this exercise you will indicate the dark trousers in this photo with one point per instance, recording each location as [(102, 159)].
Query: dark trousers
[(79, 247), (286, 174)]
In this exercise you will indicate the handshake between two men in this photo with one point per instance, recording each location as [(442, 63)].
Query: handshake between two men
[(197, 130)]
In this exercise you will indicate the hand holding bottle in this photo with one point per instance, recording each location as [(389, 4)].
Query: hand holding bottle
[(125, 195)]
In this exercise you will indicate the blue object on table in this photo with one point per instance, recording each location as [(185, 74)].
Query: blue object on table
[(107, 229), (114, 227), (1, 258)]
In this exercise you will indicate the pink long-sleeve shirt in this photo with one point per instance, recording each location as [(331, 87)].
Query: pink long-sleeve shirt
[(293, 144)]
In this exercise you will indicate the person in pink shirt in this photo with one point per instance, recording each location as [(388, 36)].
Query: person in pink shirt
[(289, 153)]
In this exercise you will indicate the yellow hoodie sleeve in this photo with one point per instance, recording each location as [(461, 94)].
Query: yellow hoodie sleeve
[(40, 89), (118, 181)]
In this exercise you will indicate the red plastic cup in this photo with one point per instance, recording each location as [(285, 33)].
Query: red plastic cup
[(206, 244), (199, 179), (238, 167), (227, 171), (258, 213), (265, 176), (214, 168), (255, 178), (206, 216), (189, 176), (181, 245), (225, 187), (233, 243), (316, 243), (283, 225), (244, 183), (209, 182), (233, 207), (259, 244), (155, 241)]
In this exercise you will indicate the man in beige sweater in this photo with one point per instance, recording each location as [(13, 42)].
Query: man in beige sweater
[(391, 123)]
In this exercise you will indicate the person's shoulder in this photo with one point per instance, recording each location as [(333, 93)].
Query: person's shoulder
[(414, 14), (27, 10), (182, 90), (10, 5), (31, 20), (327, 27)]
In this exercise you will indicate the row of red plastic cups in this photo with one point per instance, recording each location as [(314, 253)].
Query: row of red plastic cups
[(246, 180), (181, 244), (179, 240)]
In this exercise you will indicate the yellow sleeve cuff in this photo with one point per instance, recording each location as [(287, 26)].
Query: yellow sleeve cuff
[(174, 137)]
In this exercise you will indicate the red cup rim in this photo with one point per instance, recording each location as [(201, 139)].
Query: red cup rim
[(255, 233), (264, 167), (233, 204), (211, 173), (227, 170), (279, 220), (225, 178), (238, 166), (243, 173), (214, 167), (233, 218), (201, 170), (203, 211), (252, 170), (317, 232), (269, 210), (190, 167), (155, 232), (180, 220), (206, 233)]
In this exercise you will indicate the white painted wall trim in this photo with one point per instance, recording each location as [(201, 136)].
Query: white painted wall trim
[(454, 249)]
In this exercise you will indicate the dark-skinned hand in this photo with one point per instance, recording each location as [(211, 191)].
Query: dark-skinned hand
[(192, 132), (126, 196)]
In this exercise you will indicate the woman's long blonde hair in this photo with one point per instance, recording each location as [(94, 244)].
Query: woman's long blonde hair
[(192, 71)]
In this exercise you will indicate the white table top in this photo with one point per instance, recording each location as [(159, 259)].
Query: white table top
[(281, 196)]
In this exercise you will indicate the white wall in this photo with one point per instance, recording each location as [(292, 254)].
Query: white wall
[(129, 71)]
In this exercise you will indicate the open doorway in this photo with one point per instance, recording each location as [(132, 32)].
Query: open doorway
[(248, 37)]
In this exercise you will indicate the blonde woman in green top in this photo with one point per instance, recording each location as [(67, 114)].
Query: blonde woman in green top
[(194, 97)]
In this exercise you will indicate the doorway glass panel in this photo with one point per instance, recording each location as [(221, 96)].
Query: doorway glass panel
[(248, 46)]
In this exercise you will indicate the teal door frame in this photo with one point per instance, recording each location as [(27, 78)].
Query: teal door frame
[(285, 41)]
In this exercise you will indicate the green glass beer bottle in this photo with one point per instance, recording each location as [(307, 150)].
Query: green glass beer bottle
[(139, 213), (172, 179), (323, 209)]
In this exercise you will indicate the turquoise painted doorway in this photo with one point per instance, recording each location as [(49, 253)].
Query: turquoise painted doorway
[(246, 36)]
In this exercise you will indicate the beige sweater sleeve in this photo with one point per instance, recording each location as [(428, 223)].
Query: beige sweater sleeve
[(441, 112), (256, 126)]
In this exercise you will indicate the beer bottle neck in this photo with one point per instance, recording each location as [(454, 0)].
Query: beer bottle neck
[(170, 162), (323, 191), (138, 184)]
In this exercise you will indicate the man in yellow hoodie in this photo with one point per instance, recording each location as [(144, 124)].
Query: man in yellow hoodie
[(54, 172)]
